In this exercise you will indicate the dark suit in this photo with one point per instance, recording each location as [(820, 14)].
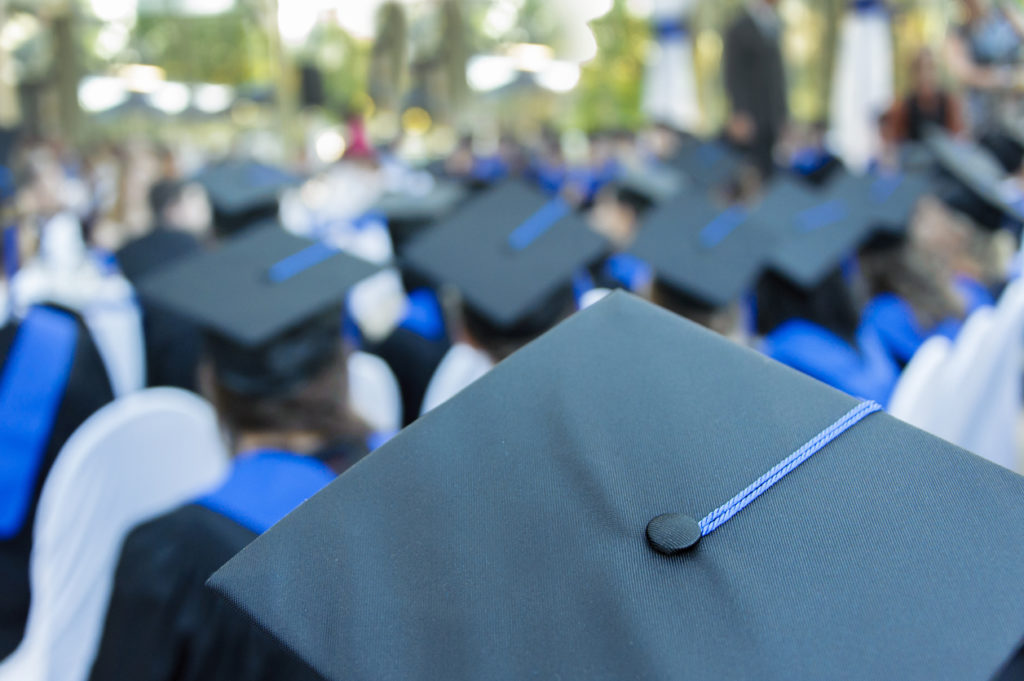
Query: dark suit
[(755, 81)]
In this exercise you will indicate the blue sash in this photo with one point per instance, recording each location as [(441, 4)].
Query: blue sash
[(628, 270), (31, 389), (267, 485), (865, 371), (863, 6), (424, 316)]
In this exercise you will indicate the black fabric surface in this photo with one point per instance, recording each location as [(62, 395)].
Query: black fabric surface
[(162, 625), (88, 389), (173, 343), (502, 536), (715, 272)]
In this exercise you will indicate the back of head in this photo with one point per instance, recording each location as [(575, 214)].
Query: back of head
[(829, 304), (501, 341)]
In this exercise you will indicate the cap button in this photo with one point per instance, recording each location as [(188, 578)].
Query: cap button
[(672, 533)]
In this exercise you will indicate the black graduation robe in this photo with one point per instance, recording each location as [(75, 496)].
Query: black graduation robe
[(88, 389), (188, 633)]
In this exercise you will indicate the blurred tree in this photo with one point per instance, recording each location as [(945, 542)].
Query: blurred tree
[(223, 48), (609, 92), (388, 58), (453, 54)]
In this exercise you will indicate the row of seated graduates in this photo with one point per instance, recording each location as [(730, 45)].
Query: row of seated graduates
[(497, 317)]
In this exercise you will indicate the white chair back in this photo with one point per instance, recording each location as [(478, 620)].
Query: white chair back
[(136, 458), (374, 394)]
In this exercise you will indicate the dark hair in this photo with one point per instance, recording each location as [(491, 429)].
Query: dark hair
[(829, 304), (163, 194), (318, 406), (501, 341), (889, 264)]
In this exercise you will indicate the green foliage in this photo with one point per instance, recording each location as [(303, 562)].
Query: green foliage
[(611, 85), (226, 48)]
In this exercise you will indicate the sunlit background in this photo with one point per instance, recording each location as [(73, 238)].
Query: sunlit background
[(83, 70)]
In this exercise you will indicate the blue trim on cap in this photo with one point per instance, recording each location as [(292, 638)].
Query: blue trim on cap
[(31, 389), (723, 224), (726, 511), (541, 221), (265, 486), (299, 262), (822, 215)]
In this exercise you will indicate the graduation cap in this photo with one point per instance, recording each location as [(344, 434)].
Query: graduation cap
[(816, 231), (243, 192), (890, 199), (703, 252), (407, 214), (979, 188), (544, 524), (507, 252), (650, 185), (269, 304), (708, 163)]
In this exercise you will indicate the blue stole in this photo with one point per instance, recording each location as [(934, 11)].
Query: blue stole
[(265, 486), (865, 371), (628, 270), (31, 389), (423, 316), (549, 177), (809, 160), (489, 169), (896, 326)]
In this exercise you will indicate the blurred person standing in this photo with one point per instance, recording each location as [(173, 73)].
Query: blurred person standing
[(927, 104), (755, 82), (983, 53)]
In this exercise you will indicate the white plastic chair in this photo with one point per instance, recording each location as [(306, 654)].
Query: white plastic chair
[(374, 393), (134, 459)]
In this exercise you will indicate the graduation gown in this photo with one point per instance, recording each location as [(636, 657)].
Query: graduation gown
[(163, 624), (173, 344), (864, 371), (86, 390), (893, 320)]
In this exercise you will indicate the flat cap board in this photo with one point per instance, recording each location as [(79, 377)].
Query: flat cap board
[(506, 251), (234, 290), (977, 171), (237, 187), (710, 253), (504, 535)]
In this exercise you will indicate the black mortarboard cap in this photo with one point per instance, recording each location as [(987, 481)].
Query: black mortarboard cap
[(815, 237), (243, 193), (890, 199), (707, 253), (269, 304), (512, 534), (709, 164), (408, 214), (979, 187), (649, 186), (507, 252)]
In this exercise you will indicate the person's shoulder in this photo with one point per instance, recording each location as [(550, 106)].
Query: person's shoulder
[(191, 537)]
